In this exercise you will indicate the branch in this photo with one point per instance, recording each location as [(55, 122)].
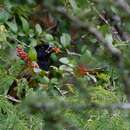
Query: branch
[(124, 5), (81, 107)]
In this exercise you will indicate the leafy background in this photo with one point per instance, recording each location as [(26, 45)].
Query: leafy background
[(92, 35)]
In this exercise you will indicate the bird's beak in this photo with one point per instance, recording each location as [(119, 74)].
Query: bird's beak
[(56, 50)]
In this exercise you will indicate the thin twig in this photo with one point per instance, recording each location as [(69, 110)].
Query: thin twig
[(12, 99), (72, 53), (59, 91)]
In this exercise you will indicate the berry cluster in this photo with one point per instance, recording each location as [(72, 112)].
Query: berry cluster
[(24, 56), (56, 50), (82, 70)]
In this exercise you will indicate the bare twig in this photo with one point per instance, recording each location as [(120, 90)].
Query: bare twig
[(12, 99), (58, 89), (72, 53)]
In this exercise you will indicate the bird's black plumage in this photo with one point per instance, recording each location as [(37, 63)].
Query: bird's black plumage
[(43, 56)]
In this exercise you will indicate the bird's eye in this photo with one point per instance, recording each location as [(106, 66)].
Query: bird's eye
[(48, 50)]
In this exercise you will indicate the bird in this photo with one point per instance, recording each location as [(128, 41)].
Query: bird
[(43, 56)]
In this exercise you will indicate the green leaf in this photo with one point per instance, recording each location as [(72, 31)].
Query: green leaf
[(25, 24), (73, 4), (66, 68), (4, 16), (64, 60), (3, 37), (65, 39), (5, 83), (54, 57), (109, 38), (44, 80), (13, 26), (32, 54), (33, 42), (103, 76), (3, 34), (49, 37), (105, 29), (38, 29)]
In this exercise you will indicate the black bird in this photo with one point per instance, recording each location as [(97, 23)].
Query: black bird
[(43, 56)]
